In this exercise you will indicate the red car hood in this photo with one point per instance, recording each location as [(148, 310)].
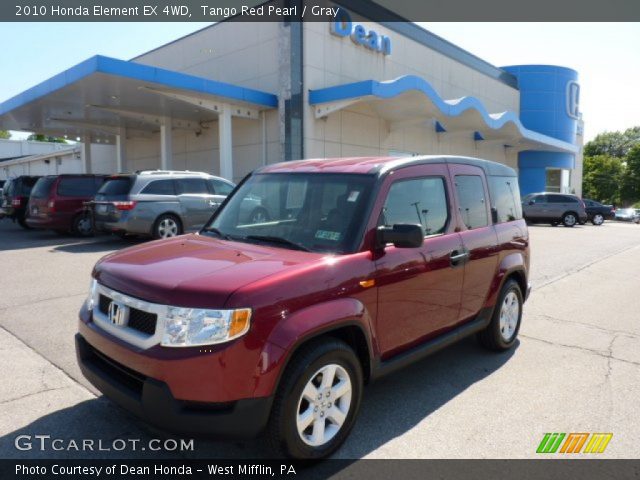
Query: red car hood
[(193, 270)]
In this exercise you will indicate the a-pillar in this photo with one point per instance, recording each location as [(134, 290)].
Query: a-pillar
[(225, 133), (166, 145), (86, 154)]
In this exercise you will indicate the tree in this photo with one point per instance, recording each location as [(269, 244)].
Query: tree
[(601, 178), (5, 134), (630, 185), (615, 144), (40, 137)]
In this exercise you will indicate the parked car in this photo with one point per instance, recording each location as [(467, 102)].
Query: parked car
[(625, 214), (597, 212), (364, 266), (15, 196), (57, 203), (158, 203), (554, 208)]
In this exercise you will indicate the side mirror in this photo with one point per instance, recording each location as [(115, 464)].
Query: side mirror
[(402, 235)]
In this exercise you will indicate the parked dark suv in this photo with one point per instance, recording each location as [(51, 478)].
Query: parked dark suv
[(554, 208), (57, 203), (15, 196), (364, 265)]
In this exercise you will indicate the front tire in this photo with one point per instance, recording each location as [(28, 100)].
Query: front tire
[(598, 219), (166, 226), (502, 331), (316, 405), (569, 219)]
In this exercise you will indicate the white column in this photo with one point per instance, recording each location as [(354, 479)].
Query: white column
[(86, 153), (121, 159), (166, 145), (226, 143)]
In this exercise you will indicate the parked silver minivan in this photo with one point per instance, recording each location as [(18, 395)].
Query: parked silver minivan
[(158, 203), (554, 208)]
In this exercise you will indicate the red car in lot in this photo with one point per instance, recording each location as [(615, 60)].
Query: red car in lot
[(362, 266), (57, 203)]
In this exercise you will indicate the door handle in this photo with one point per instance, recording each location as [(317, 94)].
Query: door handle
[(458, 257), (213, 204)]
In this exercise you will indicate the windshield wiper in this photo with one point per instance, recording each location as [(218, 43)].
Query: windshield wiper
[(280, 240)]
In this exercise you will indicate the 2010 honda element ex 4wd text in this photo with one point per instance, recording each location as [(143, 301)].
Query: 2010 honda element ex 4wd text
[(274, 324)]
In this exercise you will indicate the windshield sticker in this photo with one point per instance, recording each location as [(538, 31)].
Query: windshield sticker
[(325, 235), (353, 196)]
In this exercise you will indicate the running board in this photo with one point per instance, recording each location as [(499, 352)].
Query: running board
[(385, 367)]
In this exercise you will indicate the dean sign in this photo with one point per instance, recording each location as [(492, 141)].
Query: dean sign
[(344, 27)]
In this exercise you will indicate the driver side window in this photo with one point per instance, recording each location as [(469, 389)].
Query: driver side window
[(421, 201)]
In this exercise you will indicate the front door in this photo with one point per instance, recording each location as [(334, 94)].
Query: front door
[(418, 288)]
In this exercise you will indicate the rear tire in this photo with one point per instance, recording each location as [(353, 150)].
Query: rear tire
[(317, 402), (569, 219), (82, 225), (166, 226), (502, 331), (23, 223), (598, 219)]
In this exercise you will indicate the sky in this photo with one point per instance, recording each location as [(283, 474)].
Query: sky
[(606, 55)]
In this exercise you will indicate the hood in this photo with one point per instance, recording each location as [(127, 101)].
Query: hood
[(193, 270)]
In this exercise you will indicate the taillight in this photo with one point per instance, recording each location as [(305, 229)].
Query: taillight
[(52, 206), (130, 205), (16, 202), (584, 205)]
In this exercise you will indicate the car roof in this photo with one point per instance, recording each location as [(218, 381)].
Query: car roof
[(381, 165)]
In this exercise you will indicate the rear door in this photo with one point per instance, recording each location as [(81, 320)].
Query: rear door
[(41, 203), (478, 237), (418, 288), (195, 202), (113, 189), (218, 191)]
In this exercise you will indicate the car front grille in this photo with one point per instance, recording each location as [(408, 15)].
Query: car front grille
[(139, 320)]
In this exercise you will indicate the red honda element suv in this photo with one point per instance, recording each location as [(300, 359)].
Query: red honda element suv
[(274, 325)]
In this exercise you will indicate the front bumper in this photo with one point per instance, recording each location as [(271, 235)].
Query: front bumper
[(152, 400)]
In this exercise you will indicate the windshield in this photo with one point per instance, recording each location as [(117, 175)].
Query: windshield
[(301, 211)]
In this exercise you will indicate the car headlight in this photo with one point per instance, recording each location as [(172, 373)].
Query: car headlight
[(189, 327), (91, 299)]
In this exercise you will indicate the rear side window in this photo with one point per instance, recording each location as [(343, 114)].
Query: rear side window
[(561, 199), (473, 205), (191, 185), (505, 194), (116, 186), (42, 188), (421, 201), (77, 187), (219, 187), (160, 187)]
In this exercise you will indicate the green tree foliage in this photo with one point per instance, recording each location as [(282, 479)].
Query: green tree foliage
[(615, 144), (601, 177), (5, 134), (39, 137), (630, 185)]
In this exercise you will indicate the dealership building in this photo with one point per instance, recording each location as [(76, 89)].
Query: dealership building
[(234, 96)]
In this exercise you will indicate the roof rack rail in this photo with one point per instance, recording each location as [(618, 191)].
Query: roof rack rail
[(169, 172)]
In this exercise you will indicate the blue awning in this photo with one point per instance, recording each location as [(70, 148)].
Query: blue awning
[(108, 92), (413, 98)]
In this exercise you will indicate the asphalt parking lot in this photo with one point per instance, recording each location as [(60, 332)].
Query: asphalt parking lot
[(576, 367)]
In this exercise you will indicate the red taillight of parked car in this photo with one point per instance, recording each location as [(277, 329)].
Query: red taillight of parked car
[(52, 206), (16, 202), (130, 205)]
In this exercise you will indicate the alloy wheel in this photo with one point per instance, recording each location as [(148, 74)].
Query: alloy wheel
[(324, 405), (167, 228), (509, 315)]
